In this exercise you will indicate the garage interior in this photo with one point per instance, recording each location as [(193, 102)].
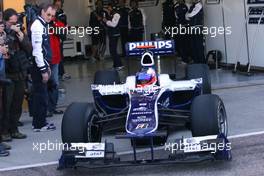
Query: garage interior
[(244, 45)]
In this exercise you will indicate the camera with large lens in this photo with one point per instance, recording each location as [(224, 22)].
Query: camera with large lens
[(20, 20)]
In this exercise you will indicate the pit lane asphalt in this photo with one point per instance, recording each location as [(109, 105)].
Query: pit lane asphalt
[(248, 157)]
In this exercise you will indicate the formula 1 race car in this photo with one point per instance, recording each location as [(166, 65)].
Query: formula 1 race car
[(145, 109)]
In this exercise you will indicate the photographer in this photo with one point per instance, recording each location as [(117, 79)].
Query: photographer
[(16, 70)]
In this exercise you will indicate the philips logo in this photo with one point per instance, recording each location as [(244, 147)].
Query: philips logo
[(158, 44)]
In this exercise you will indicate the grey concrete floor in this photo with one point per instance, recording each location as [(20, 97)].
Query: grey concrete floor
[(243, 97)]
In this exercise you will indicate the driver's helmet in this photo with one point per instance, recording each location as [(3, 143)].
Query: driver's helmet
[(146, 77)]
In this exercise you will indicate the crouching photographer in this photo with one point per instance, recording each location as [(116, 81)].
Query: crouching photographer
[(19, 48)]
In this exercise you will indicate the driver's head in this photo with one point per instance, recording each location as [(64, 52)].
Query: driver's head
[(146, 77)]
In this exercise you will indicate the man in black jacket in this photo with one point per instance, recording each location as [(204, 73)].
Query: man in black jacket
[(168, 17), (123, 24), (137, 20), (195, 17), (99, 39), (16, 70), (182, 39)]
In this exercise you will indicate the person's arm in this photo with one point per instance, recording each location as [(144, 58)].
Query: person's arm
[(129, 23), (3, 50), (36, 37), (176, 10), (143, 16), (26, 45), (113, 23), (195, 11)]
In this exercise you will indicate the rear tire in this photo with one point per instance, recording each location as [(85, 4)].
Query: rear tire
[(77, 124), (106, 77), (195, 71), (208, 116)]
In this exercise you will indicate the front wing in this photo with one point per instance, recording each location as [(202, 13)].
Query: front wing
[(189, 150)]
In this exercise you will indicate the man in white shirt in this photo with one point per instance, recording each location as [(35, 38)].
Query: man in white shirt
[(112, 22), (40, 72)]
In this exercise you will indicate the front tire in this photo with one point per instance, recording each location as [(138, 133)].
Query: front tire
[(208, 116), (77, 124)]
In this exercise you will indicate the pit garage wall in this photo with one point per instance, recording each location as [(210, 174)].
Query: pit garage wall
[(256, 37), (228, 13), (214, 17), (15, 4), (77, 10), (153, 19), (246, 41)]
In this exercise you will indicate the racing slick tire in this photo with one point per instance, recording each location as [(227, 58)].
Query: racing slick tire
[(208, 116), (106, 77), (77, 124), (195, 71)]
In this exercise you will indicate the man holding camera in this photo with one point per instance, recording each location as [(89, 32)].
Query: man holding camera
[(16, 70)]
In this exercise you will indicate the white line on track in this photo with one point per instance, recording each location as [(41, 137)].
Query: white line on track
[(28, 166), (120, 153), (246, 135)]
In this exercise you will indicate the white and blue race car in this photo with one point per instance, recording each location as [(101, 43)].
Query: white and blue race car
[(144, 109)]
